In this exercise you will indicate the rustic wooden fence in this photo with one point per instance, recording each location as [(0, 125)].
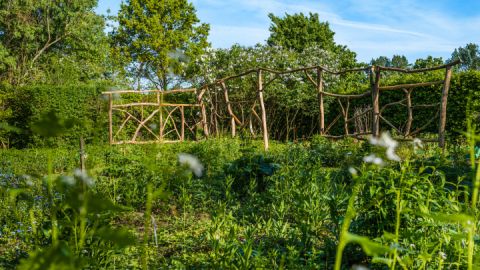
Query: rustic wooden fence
[(212, 102)]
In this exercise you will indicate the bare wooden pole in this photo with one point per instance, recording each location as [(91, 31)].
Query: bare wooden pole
[(204, 113), (110, 118), (82, 154), (182, 129), (160, 109), (443, 107), (375, 71), (262, 107), (229, 109), (408, 126), (320, 100)]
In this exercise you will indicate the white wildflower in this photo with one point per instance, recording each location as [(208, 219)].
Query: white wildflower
[(442, 255), (68, 180), (372, 158), (359, 267), (417, 143), (192, 162), (83, 177), (352, 171), (387, 142)]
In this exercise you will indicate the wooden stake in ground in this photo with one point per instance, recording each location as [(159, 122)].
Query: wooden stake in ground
[(262, 107), (320, 100), (443, 107), (375, 71), (110, 118)]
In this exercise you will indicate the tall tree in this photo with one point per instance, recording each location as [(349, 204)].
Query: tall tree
[(383, 61), (428, 62), (470, 56), (158, 40), (299, 32), (400, 61), (39, 39)]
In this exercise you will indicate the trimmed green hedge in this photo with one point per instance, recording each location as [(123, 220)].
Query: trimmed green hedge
[(81, 103)]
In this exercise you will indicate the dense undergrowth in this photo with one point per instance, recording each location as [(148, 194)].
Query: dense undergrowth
[(296, 207)]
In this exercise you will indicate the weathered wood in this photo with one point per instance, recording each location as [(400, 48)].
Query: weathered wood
[(375, 71), (320, 100), (229, 105), (390, 124), (110, 118), (154, 105), (408, 125), (345, 114), (410, 85), (82, 154), (182, 128), (447, 66), (142, 124), (443, 107), (122, 125), (189, 90), (138, 120), (262, 107), (160, 115), (204, 120), (333, 123)]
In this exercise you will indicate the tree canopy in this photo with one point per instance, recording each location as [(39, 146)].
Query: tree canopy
[(158, 40), (469, 55), (298, 32), (51, 41)]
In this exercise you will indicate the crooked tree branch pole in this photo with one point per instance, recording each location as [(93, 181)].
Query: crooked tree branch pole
[(443, 107), (375, 78), (262, 107), (319, 85)]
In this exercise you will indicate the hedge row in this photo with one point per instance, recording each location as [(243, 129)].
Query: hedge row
[(80, 105)]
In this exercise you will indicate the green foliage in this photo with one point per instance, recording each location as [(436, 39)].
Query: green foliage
[(157, 41), (469, 55), (250, 172), (51, 42), (299, 32), (399, 61), (78, 108), (294, 221)]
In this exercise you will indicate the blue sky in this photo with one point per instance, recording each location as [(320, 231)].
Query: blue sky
[(371, 28)]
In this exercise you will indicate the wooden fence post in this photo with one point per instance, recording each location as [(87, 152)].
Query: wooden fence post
[(182, 128), (160, 114), (110, 118), (262, 107), (229, 109), (82, 154), (320, 99), (443, 107), (203, 111), (375, 100), (408, 97)]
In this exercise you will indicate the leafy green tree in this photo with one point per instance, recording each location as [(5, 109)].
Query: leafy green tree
[(44, 40), (428, 62), (298, 32), (400, 61), (381, 61), (158, 40), (470, 56)]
